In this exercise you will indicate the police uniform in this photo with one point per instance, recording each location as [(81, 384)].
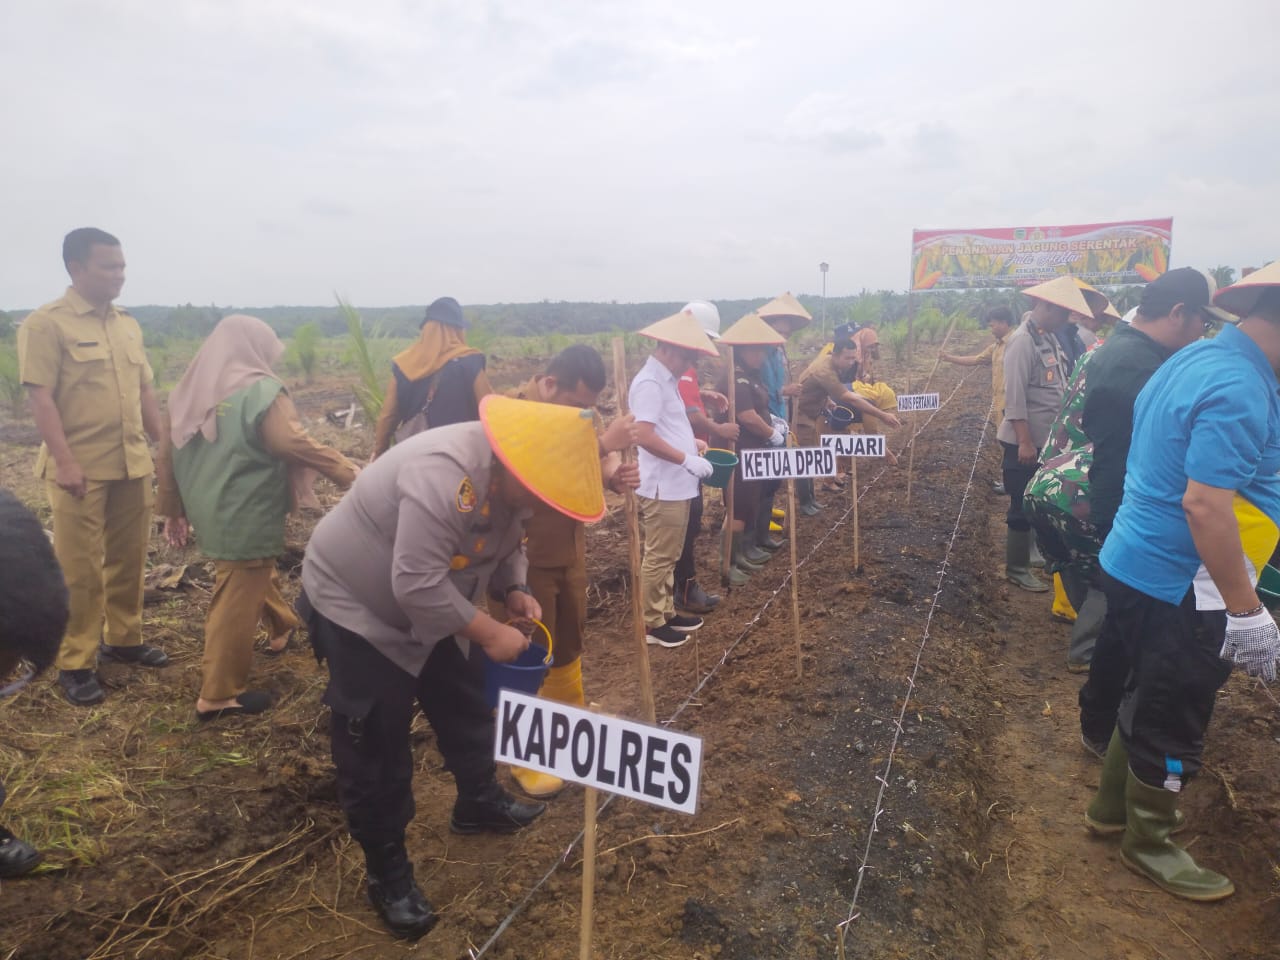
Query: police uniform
[(95, 365), (431, 540), (1034, 368)]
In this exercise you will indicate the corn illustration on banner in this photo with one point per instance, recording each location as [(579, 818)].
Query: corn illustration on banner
[(1135, 251)]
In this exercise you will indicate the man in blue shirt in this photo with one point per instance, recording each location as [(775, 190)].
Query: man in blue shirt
[(1199, 518)]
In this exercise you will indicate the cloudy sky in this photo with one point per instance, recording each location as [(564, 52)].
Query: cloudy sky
[(257, 152)]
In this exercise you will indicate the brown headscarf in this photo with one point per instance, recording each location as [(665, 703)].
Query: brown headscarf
[(865, 339), (438, 343), (240, 352)]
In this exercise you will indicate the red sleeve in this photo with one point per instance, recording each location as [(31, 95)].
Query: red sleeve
[(690, 392)]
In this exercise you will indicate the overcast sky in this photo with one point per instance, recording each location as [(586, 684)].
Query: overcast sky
[(257, 152)]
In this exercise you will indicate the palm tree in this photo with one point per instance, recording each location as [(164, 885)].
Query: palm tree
[(1223, 276)]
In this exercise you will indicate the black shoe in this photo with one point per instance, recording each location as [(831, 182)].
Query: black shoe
[(394, 894), (683, 624), (492, 810), (692, 598), (1096, 747), (81, 687), (665, 636), (251, 701), (998, 488), (810, 508), (140, 655), (17, 857)]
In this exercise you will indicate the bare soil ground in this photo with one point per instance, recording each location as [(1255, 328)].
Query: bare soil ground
[(166, 838)]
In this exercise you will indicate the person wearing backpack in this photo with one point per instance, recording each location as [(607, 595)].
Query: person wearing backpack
[(437, 381)]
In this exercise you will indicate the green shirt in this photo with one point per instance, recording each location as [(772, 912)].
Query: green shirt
[(235, 492)]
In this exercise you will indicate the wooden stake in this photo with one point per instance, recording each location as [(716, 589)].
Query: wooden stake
[(726, 541), (915, 417), (588, 866), (911, 354), (853, 485), (795, 573), (633, 535)]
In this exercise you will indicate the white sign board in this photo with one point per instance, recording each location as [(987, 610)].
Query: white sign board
[(911, 402), (854, 444), (651, 764), (786, 463)]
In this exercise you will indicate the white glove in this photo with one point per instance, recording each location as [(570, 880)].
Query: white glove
[(700, 467), (778, 438), (779, 423), (1253, 642)]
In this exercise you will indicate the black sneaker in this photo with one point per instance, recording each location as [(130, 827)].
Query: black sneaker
[(81, 687), (665, 636), (1096, 747), (17, 857), (684, 624), (402, 907), (492, 810), (140, 655)]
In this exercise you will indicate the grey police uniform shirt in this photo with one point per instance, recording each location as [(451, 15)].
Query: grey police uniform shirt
[(1034, 370), (414, 546)]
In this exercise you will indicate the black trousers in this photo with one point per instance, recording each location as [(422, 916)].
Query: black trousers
[(1016, 476), (685, 569), (372, 704), (1168, 656)]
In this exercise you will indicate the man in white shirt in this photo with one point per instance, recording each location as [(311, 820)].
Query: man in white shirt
[(671, 465)]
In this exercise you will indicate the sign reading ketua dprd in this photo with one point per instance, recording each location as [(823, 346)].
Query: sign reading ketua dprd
[(646, 763), (787, 463)]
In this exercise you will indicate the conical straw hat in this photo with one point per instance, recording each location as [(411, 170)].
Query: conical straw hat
[(681, 330), (786, 306), (551, 449), (751, 331), (1099, 305), (1061, 292), (1240, 298)]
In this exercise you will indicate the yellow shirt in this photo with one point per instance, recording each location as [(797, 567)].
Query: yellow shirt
[(96, 367)]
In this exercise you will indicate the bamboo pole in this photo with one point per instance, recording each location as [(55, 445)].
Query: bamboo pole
[(588, 866), (857, 534), (911, 355), (795, 572), (633, 536), (941, 350), (726, 540)]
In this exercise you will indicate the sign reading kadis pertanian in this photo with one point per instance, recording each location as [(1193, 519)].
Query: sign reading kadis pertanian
[(915, 402), (787, 463), (854, 444), (647, 763), (1135, 251)]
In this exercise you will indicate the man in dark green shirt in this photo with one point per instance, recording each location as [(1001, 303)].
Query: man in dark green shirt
[(1174, 313)]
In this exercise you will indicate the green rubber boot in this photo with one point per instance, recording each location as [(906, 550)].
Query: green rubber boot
[(752, 553), (1017, 560), (1147, 850), (764, 539), (1106, 815), (739, 574), (809, 505)]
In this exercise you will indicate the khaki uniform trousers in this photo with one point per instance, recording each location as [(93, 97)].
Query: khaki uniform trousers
[(245, 592), (100, 541), (663, 523), (562, 594)]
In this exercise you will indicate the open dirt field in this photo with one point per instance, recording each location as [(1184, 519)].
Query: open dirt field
[(170, 839)]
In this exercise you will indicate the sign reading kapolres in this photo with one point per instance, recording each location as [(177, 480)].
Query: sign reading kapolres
[(1101, 253)]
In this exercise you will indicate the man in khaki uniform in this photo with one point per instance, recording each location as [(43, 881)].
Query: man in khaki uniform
[(90, 390)]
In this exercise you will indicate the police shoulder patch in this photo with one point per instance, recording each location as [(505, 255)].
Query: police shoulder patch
[(466, 497)]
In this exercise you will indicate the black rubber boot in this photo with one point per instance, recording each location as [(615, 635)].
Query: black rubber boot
[(17, 857), (394, 894), (808, 505), (492, 810), (764, 539)]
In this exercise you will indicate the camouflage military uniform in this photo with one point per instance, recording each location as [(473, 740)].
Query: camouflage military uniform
[(1057, 498)]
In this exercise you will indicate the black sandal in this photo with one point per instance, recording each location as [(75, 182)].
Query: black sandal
[(251, 701)]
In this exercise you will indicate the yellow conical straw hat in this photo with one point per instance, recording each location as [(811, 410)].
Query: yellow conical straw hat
[(551, 449), (1240, 298), (751, 331), (681, 330), (1061, 292), (1099, 305), (786, 306)]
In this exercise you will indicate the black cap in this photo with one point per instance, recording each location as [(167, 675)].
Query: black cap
[(844, 331), (448, 311), (1186, 285)]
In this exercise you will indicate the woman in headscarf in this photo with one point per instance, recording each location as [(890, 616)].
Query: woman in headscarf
[(437, 381), (238, 452)]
